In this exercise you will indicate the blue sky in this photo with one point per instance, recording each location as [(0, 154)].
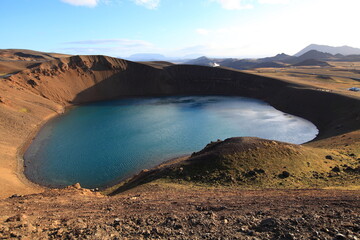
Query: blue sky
[(176, 28)]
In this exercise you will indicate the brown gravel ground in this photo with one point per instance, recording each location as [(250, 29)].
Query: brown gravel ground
[(173, 212)]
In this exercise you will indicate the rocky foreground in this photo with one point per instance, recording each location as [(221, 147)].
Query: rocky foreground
[(160, 211)]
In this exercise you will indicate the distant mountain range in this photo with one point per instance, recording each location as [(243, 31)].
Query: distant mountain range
[(312, 55), (344, 50)]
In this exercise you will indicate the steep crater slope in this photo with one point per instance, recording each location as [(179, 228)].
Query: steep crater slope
[(82, 79)]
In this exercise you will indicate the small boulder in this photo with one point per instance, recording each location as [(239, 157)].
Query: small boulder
[(329, 157), (340, 236), (17, 218), (267, 224), (76, 186), (250, 174), (116, 222), (349, 169), (32, 83), (284, 174), (15, 196), (288, 236), (259, 170)]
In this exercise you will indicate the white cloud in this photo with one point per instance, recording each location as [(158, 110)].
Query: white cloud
[(111, 47), (234, 4), (202, 31), (274, 1), (284, 31), (87, 3), (150, 4)]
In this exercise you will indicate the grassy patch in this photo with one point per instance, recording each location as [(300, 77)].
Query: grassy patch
[(252, 163)]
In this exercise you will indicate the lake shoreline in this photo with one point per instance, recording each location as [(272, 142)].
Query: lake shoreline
[(23, 148), (143, 131)]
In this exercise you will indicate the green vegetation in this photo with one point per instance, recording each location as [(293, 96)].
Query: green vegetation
[(263, 163)]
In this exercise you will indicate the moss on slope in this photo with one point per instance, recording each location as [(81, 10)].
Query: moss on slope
[(257, 163)]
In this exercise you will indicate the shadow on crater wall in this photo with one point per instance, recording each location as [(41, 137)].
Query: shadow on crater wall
[(333, 114)]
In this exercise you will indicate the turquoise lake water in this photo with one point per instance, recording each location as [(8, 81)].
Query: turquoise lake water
[(101, 143)]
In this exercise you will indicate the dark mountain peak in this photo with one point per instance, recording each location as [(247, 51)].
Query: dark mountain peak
[(203, 61), (202, 58), (314, 54), (281, 57)]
